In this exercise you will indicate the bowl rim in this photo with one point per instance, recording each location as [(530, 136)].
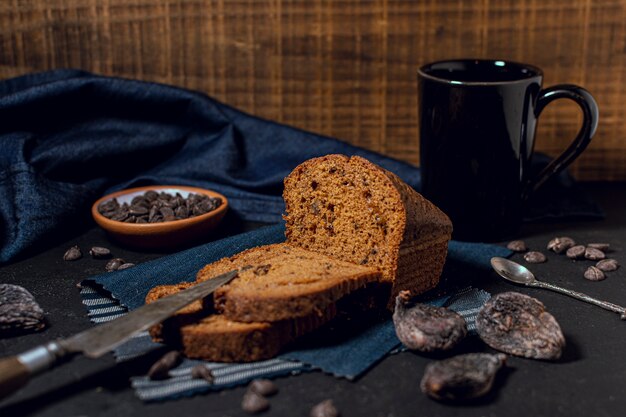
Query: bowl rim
[(144, 227)]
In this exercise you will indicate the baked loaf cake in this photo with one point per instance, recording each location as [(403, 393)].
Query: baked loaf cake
[(284, 282), (353, 210), (199, 334)]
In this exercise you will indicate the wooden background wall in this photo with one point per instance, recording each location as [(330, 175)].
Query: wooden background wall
[(342, 68)]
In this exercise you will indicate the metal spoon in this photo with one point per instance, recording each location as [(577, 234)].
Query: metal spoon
[(519, 274)]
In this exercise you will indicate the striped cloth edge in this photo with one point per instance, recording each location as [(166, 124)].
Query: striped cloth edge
[(103, 308)]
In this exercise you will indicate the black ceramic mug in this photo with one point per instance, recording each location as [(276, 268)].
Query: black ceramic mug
[(477, 130)]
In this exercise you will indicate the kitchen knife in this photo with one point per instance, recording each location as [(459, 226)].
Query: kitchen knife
[(15, 371)]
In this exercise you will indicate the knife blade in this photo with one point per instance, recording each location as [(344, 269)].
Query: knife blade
[(15, 371)]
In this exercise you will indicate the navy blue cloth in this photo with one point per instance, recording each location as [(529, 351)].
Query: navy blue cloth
[(364, 341), (67, 137)]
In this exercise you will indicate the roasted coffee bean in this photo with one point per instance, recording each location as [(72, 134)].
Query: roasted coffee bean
[(576, 252), (125, 266), (114, 264), (594, 274), (131, 219), (142, 219), (607, 265), (517, 246), (202, 372), (561, 244), (324, 409), (520, 325), (72, 254), (427, 328), (263, 387), (461, 377), (253, 403), (120, 215), (534, 257), (600, 246), (594, 254), (98, 252), (19, 312), (161, 368)]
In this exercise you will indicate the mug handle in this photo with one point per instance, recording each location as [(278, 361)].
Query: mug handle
[(590, 123)]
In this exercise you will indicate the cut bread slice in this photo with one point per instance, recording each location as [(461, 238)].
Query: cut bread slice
[(356, 211), (201, 334), (284, 282)]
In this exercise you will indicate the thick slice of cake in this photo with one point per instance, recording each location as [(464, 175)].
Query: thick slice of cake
[(284, 282), (353, 210), (201, 334)]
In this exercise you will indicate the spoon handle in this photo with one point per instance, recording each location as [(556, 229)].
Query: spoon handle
[(583, 297)]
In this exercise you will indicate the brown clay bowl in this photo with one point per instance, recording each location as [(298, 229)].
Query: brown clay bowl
[(160, 235)]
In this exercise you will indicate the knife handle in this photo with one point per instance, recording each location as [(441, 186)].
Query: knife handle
[(15, 371), (13, 375)]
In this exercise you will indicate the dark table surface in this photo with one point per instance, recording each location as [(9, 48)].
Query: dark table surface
[(590, 378)]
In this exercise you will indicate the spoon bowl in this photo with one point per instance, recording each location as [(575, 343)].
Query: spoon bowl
[(512, 271)]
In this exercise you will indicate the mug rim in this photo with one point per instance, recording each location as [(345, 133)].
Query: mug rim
[(538, 73)]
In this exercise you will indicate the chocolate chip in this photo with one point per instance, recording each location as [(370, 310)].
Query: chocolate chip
[(98, 252), (263, 387), (517, 246), (607, 265), (561, 244), (253, 403), (576, 252), (594, 254), (324, 409), (594, 274), (161, 368), (601, 246), (534, 257), (72, 254), (202, 372), (114, 264)]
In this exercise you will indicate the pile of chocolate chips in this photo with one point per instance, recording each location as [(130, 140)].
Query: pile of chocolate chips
[(154, 207)]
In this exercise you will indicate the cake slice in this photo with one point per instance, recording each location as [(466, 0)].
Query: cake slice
[(354, 210), (201, 334), (284, 282)]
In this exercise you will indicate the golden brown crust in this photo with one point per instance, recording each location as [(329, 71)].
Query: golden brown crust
[(356, 211), (202, 335), (284, 282)]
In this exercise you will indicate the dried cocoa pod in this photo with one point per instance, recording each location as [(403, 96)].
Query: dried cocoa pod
[(520, 325), (427, 328), (561, 244), (19, 312), (324, 409), (263, 387), (161, 368), (253, 403), (517, 246), (462, 377)]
